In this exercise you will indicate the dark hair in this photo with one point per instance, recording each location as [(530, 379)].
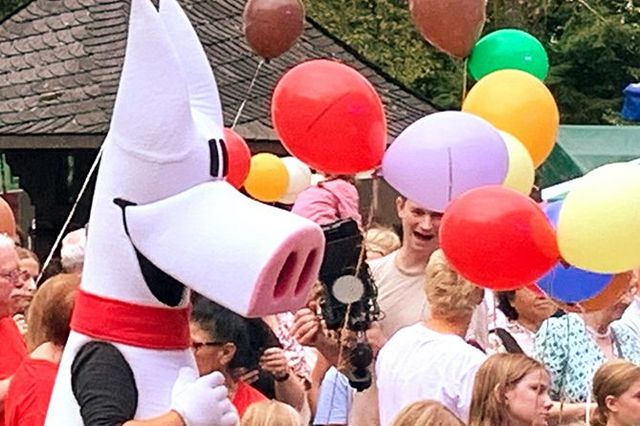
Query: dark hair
[(250, 336), (504, 304), (22, 237)]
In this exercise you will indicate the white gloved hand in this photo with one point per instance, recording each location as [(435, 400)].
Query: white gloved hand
[(202, 401)]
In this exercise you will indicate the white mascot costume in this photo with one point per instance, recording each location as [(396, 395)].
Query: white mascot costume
[(163, 220)]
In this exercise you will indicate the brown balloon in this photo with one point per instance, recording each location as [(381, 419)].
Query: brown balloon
[(7, 220), (272, 26), (610, 295), (452, 26)]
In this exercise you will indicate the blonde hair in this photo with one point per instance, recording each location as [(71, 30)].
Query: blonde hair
[(426, 413), (497, 375), (50, 311), (612, 378), (381, 240), (449, 294), (271, 413), (23, 254)]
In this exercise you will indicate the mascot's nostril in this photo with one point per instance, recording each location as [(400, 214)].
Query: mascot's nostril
[(305, 275), (285, 275)]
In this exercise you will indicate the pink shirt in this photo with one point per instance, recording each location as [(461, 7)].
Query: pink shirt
[(328, 202)]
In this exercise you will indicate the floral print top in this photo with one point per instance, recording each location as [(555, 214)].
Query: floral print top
[(295, 352), (572, 357)]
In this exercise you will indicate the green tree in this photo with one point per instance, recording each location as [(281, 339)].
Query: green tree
[(593, 47), (8, 6)]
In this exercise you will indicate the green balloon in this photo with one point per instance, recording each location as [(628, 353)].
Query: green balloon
[(508, 49)]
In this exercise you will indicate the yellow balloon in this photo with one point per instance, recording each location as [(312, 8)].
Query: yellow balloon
[(521, 172), (268, 178), (599, 223), (520, 104)]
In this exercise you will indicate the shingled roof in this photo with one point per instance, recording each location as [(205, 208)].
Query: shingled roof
[(60, 63)]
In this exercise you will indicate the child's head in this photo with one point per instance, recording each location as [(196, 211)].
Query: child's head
[(379, 241), (423, 413), (271, 413)]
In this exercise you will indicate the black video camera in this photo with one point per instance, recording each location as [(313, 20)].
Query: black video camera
[(349, 295)]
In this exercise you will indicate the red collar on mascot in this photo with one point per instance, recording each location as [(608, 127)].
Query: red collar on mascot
[(117, 321)]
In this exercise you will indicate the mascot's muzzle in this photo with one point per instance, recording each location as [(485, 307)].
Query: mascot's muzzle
[(200, 237)]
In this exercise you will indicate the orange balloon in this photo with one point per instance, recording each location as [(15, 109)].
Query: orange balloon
[(268, 178), (7, 220), (520, 104), (610, 295)]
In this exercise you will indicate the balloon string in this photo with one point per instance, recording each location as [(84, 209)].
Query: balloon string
[(246, 97), (71, 213), (464, 81), (361, 258), (592, 10)]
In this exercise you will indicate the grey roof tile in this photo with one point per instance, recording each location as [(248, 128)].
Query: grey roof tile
[(60, 63)]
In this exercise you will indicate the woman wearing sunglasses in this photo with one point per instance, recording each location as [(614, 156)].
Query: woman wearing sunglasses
[(220, 342)]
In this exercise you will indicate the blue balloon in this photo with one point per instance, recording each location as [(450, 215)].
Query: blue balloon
[(568, 283)]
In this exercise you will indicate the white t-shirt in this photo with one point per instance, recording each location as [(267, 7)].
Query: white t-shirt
[(418, 364), (401, 296), (403, 302)]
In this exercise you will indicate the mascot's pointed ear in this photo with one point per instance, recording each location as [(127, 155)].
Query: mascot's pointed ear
[(203, 90), (151, 115)]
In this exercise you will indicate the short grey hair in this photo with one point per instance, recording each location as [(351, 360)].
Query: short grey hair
[(72, 251)]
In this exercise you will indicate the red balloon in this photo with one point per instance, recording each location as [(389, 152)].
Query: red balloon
[(239, 158), (330, 117), (498, 238)]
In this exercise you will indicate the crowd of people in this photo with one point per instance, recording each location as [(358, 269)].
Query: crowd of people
[(445, 351)]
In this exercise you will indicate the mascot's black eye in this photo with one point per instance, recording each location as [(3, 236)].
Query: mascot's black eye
[(219, 158)]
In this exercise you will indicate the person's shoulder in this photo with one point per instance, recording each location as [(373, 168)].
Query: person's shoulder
[(459, 349), (564, 323), (41, 369), (626, 334), (404, 337), (7, 325), (382, 262), (411, 332), (248, 392), (474, 355)]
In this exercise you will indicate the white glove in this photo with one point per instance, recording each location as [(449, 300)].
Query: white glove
[(202, 401)]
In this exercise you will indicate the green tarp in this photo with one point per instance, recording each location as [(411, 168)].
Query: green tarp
[(580, 149)]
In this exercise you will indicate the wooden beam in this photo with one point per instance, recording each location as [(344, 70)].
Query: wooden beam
[(51, 141)]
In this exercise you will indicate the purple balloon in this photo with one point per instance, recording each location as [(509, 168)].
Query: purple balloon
[(444, 155)]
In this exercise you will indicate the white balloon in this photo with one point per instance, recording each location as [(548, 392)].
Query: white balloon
[(316, 178), (367, 174), (299, 179)]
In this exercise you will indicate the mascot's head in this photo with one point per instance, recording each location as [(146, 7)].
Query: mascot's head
[(163, 218)]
